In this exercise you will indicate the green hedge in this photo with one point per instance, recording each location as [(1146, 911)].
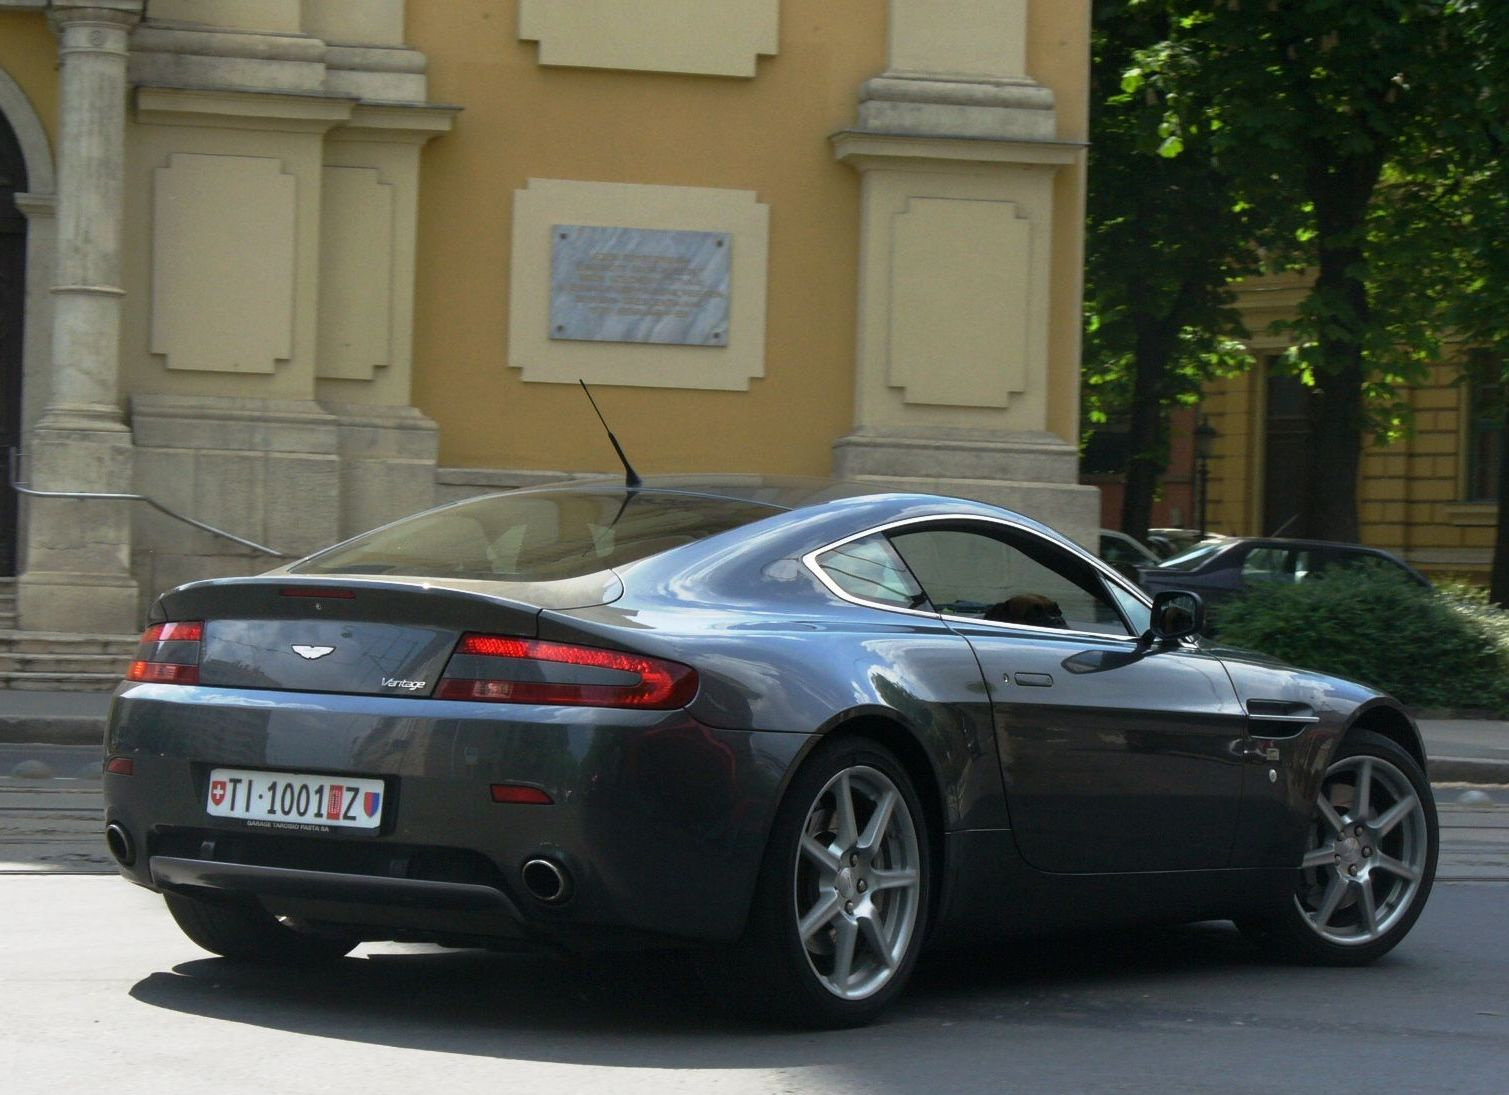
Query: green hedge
[(1446, 648)]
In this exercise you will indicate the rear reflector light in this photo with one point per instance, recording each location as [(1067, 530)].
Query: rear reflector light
[(168, 653), (121, 766), (503, 669), (163, 673), (521, 794)]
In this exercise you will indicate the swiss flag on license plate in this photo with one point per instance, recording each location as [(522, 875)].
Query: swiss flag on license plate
[(217, 791)]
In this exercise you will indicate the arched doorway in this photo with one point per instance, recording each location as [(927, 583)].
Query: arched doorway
[(12, 316)]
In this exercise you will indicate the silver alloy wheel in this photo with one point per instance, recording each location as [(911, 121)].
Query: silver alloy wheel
[(1367, 854), (858, 882)]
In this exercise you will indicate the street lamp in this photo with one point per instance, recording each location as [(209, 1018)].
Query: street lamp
[(1205, 440)]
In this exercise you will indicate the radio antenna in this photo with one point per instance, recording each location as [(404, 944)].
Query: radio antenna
[(631, 477)]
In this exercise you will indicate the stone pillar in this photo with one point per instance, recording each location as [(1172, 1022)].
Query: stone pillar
[(272, 204), (960, 375), (41, 212), (364, 365), (78, 572)]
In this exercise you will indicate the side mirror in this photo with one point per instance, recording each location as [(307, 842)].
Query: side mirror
[(1177, 614)]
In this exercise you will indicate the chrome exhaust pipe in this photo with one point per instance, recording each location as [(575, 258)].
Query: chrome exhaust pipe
[(121, 846), (546, 880)]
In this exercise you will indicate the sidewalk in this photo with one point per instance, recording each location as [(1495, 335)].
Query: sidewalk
[(1466, 750), (1459, 750), (53, 718)]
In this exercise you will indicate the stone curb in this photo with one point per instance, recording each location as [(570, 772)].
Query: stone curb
[(1467, 770), (1455, 714), (51, 730)]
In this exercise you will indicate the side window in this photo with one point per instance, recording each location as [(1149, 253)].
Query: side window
[(869, 569), (1367, 563), (1268, 564), (1008, 577)]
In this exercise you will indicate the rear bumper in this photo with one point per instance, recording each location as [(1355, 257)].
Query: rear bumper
[(660, 821), (174, 873)]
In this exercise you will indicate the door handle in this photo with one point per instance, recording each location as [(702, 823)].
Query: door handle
[(1034, 680)]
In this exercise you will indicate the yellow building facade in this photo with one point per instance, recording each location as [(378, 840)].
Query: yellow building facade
[(1428, 497), (294, 268)]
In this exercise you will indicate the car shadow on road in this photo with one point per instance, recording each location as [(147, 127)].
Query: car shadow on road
[(651, 1011)]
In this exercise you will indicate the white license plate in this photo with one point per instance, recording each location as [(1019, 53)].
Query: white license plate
[(289, 799)]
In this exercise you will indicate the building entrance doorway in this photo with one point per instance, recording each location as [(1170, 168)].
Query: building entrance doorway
[(1286, 459), (12, 315)]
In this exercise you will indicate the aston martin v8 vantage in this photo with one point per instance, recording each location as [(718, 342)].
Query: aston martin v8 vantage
[(799, 728)]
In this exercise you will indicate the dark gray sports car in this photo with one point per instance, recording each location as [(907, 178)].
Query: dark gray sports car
[(798, 727)]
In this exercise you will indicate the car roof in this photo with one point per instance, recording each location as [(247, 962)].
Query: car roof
[(1290, 542), (781, 491), (850, 501), (792, 492)]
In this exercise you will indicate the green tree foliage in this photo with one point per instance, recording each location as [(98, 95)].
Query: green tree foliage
[(1442, 227), (1164, 242), (1315, 107)]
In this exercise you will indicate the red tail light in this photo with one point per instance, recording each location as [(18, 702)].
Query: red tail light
[(187, 631), (168, 653), (502, 669), (319, 592)]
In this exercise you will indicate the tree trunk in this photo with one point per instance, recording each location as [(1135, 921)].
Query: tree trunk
[(1498, 585), (1341, 189), (1329, 508)]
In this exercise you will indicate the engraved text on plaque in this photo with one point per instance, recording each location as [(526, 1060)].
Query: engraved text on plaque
[(639, 285)]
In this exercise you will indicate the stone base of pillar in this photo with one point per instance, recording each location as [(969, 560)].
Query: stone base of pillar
[(265, 470), (388, 458), (1033, 474), (78, 551), (76, 603)]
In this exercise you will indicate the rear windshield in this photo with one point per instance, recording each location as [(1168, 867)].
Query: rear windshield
[(535, 536), (1193, 558)]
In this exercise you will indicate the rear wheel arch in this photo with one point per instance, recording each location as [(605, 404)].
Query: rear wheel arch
[(820, 949), (913, 756)]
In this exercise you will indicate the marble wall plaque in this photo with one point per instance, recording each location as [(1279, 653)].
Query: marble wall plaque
[(639, 285)]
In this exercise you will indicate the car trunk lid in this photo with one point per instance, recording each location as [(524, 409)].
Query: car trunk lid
[(359, 636)]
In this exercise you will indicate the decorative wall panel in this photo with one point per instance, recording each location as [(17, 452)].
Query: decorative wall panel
[(356, 274), (959, 302), (223, 263), (707, 37), (727, 363)]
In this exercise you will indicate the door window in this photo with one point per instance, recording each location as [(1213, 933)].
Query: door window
[(1277, 564), (1008, 576)]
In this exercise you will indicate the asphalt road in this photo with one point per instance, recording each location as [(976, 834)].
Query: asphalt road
[(99, 991)]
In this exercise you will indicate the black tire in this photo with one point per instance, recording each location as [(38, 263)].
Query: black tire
[(1367, 873), (246, 932), (865, 890)]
